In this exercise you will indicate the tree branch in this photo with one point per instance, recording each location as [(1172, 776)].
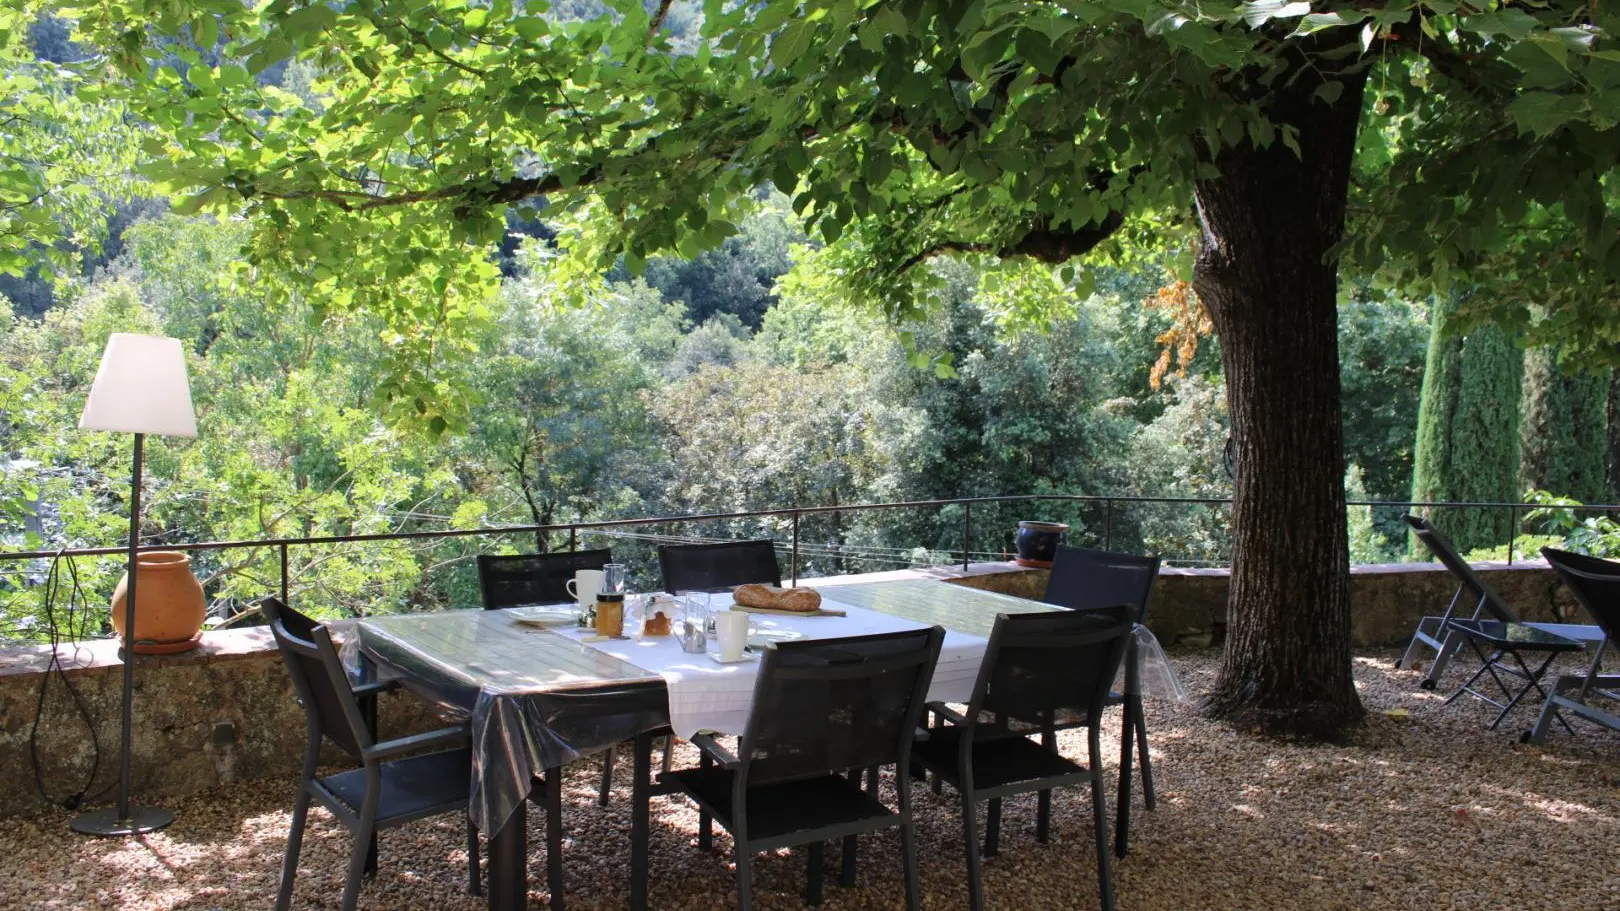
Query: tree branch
[(1043, 244), (657, 21)]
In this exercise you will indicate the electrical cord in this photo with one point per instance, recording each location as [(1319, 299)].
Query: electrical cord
[(75, 596)]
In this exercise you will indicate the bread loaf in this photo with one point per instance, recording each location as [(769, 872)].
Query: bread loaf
[(770, 597)]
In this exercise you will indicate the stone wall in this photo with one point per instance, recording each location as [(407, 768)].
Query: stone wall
[(225, 712), (220, 713)]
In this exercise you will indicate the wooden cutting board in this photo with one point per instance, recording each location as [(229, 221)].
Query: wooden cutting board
[(818, 612)]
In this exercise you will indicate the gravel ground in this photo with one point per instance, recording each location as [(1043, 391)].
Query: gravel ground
[(1428, 810)]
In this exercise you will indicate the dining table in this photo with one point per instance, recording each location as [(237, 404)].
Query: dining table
[(542, 695)]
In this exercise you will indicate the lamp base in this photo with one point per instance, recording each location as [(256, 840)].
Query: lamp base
[(106, 822)]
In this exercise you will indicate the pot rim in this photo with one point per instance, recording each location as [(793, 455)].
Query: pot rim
[(161, 559), (1039, 525)]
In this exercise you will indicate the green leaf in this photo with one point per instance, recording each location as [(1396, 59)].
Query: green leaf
[(791, 43)]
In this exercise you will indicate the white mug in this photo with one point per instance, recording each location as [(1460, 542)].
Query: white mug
[(731, 629), (585, 586)]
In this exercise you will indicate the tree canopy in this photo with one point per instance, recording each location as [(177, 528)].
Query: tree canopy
[(900, 129), (1462, 146)]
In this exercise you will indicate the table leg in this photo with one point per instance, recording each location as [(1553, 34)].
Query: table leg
[(1534, 681), (640, 823), (509, 864)]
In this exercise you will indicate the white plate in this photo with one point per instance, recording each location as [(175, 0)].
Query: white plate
[(760, 637), (544, 615), (746, 657)]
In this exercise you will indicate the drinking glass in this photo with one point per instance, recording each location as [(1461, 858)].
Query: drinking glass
[(615, 578), (694, 621)]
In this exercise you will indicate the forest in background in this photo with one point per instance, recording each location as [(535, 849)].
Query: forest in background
[(739, 379)]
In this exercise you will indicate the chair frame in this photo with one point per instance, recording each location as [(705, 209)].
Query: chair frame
[(1081, 560), (960, 776), (712, 751), (672, 573), (1574, 569), (575, 559), (376, 758), (1436, 632)]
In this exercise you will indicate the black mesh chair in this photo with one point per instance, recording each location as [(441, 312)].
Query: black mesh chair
[(1596, 585), (1083, 579), (397, 783), (1038, 669), (719, 566), (821, 707), (1436, 633), (508, 580)]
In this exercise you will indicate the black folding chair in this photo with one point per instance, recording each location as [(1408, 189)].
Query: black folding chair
[(1596, 585), (825, 711), (1083, 579), (1437, 633), (508, 580), (1038, 672), (719, 566), (389, 789)]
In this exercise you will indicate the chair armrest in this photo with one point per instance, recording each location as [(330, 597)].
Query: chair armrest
[(708, 744), (443, 737), (946, 712), (362, 690)]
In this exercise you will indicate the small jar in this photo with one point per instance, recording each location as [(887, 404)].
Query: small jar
[(610, 613)]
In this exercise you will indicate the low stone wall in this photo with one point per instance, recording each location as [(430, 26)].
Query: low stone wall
[(1386, 600), (220, 713), (225, 712)]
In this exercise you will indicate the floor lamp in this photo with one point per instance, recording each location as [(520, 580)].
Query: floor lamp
[(141, 388)]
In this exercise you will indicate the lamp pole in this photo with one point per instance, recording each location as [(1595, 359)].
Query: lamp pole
[(125, 819)]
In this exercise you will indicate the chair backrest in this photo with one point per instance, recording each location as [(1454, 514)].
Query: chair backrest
[(1084, 579), (318, 676), (1440, 546), (719, 566), (1594, 582), (826, 705), (1040, 666), (508, 580)]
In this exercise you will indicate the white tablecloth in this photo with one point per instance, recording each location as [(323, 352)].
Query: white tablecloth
[(705, 695)]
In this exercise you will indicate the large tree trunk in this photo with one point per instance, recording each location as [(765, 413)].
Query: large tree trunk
[(1266, 273)]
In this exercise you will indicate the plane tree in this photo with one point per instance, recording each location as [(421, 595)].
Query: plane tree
[(1269, 144)]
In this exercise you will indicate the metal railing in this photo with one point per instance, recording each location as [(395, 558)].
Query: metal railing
[(1109, 504)]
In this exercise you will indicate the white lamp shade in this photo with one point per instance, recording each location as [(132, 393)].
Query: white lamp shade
[(141, 387)]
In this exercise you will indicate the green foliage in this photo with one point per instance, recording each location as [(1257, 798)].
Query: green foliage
[(1467, 437), (1182, 453), (1596, 534), (60, 152), (1382, 343), (1003, 128), (1563, 443)]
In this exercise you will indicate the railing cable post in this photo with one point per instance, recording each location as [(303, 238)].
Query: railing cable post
[(1513, 525), (1108, 524), (573, 539), (967, 533), (285, 599), (795, 558)]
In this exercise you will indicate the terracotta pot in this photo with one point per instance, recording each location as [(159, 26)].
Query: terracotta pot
[(1038, 542), (169, 604)]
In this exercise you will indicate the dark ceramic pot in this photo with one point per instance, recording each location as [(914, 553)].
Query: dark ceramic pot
[(1038, 542)]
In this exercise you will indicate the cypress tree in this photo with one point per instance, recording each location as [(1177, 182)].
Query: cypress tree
[(1563, 438), (1442, 371), (1613, 495), (1468, 429)]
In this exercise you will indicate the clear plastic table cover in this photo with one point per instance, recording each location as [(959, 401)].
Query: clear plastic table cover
[(537, 700), (1146, 670)]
